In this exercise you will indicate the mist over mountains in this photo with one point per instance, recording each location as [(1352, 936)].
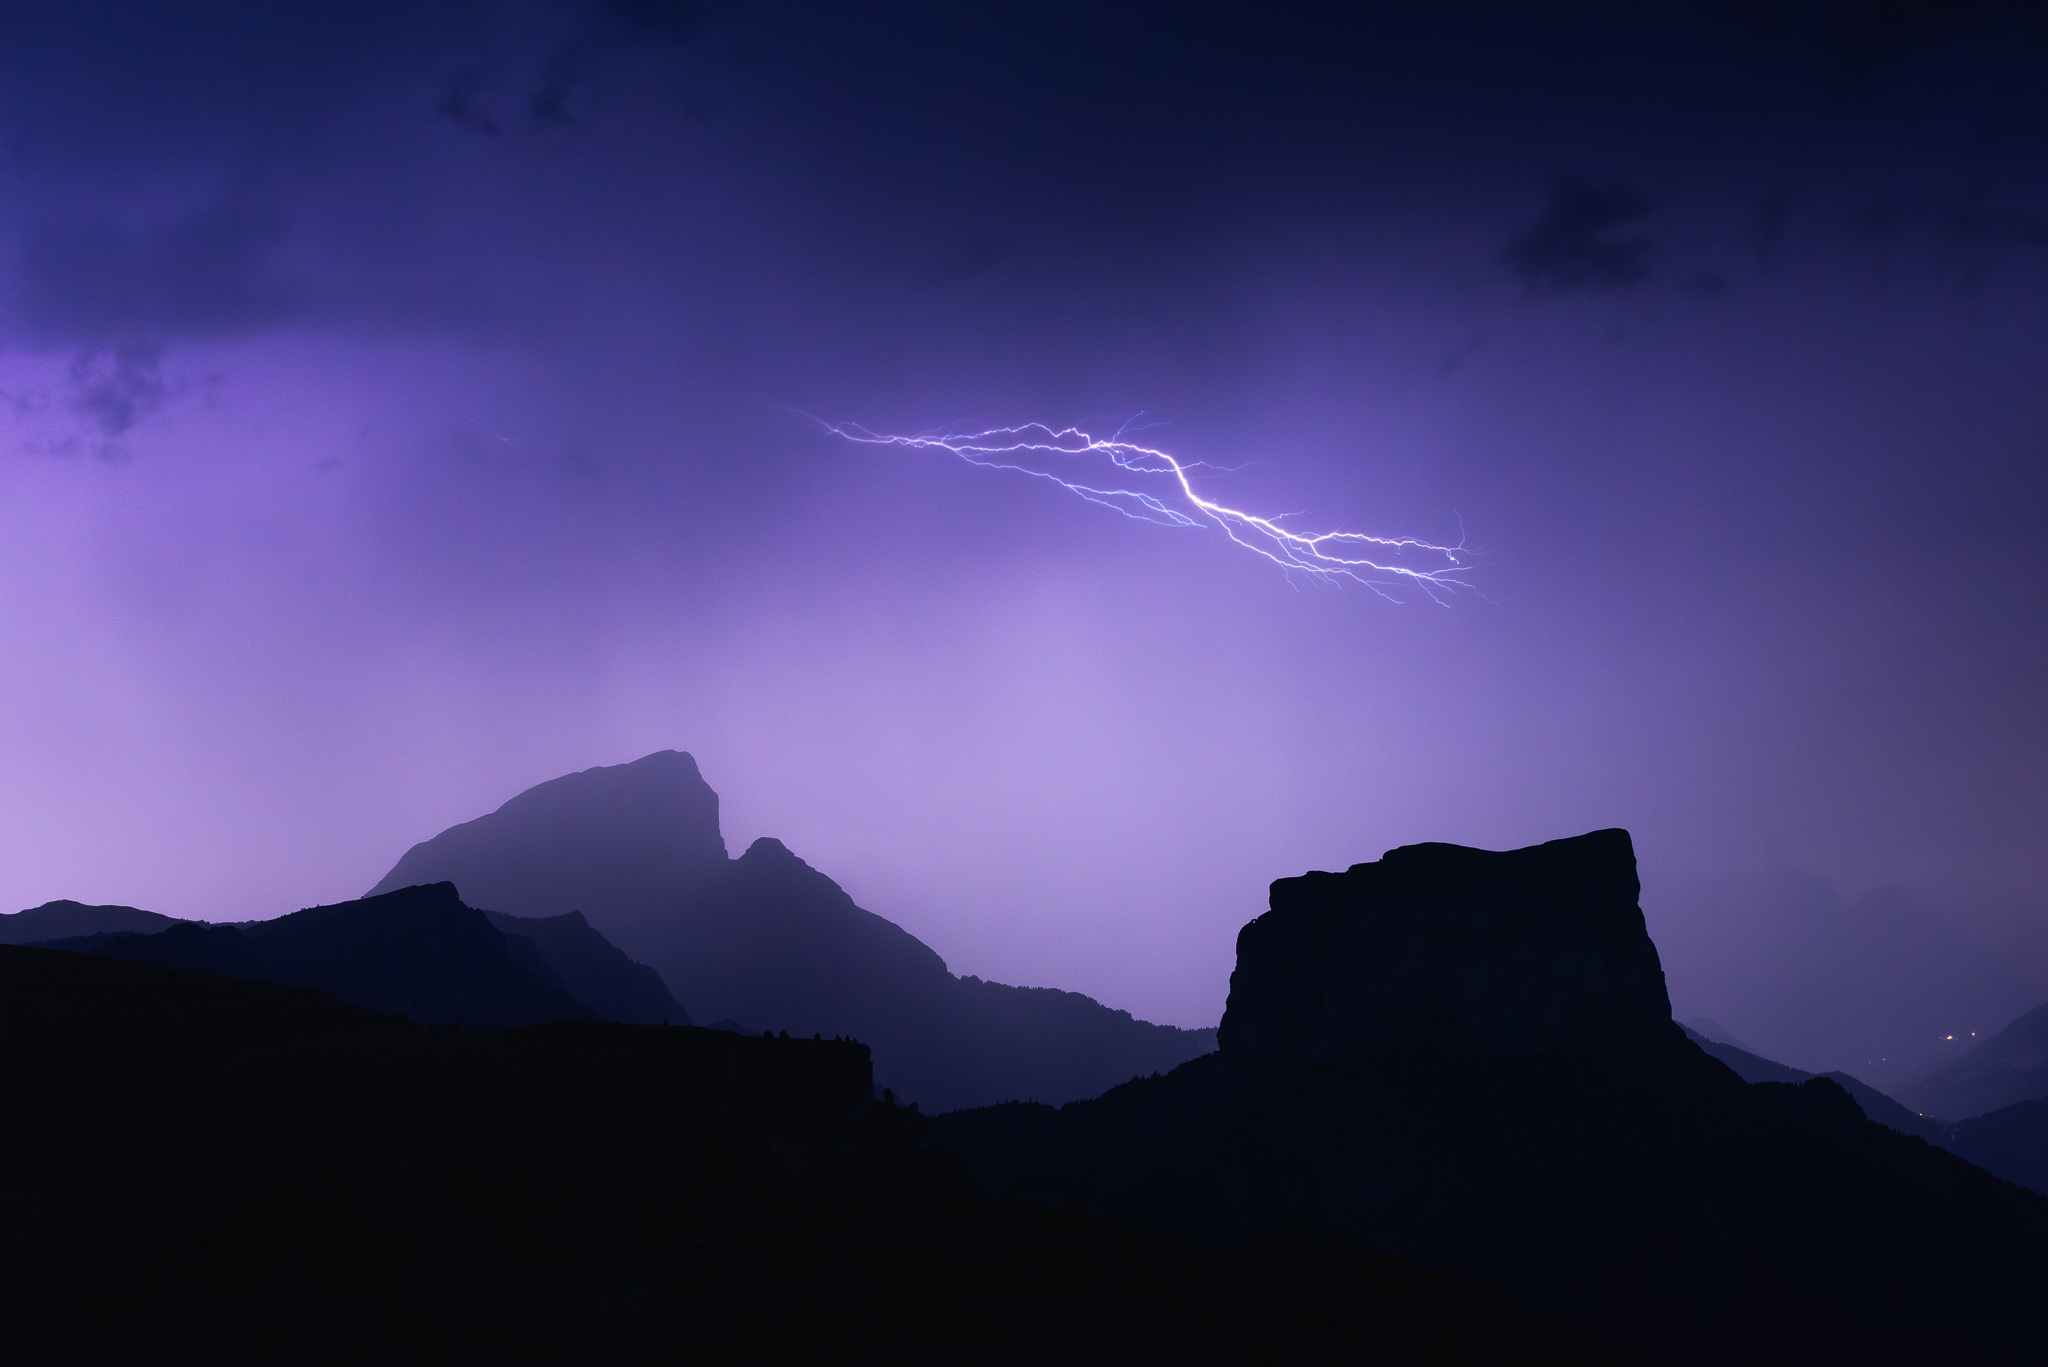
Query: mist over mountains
[(767, 940), (1880, 985), (615, 886)]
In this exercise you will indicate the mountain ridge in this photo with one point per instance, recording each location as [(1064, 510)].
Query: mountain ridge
[(419, 952), (768, 939)]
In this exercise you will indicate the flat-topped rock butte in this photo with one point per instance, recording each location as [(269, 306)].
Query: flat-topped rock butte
[(1442, 948)]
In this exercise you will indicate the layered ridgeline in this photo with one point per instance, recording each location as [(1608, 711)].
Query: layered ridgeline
[(769, 941), (1873, 1103), (417, 952), (1990, 1106), (1468, 1058)]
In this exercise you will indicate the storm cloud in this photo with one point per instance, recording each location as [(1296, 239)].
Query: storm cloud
[(451, 361)]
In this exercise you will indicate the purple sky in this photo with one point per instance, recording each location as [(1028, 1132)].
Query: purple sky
[(399, 413)]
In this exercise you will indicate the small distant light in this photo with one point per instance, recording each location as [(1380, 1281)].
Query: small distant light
[(1948, 1036)]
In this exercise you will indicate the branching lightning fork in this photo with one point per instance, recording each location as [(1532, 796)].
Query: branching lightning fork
[(1327, 556)]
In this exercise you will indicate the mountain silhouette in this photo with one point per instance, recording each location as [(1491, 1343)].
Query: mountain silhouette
[(1468, 1058), (1874, 1104), (417, 952), (624, 844), (206, 1170), (2011, 1141), (63, 920), (767, 939), (2010, 1067), (596, 972)]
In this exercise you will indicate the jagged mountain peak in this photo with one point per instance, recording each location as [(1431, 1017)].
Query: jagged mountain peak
[(771, 940)]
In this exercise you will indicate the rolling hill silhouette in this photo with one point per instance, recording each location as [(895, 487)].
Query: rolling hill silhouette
[(63, 920), (208, 1170), (769, 940), (1468, 1058)]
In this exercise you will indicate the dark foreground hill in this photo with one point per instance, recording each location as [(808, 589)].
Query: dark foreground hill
[(417, 952), (769, 940), (61, 920), (1874, 1104), (2011, 1142), (1468, 1058), (206, 1170)]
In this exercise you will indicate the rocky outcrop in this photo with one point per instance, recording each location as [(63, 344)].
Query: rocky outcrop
[(1467, 1059), (1447, 949)]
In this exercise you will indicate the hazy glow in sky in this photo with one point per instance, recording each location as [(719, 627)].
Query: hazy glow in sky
[(400, 410)]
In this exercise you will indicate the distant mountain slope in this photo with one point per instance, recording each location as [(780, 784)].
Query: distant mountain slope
[(623, 845), (1749, 1067), (65, 919), (2012, 1142), (1870, 983), (2010, 1067), (596, 972), (1874, 1104), (769, 940), (417, 952), (780, 944)]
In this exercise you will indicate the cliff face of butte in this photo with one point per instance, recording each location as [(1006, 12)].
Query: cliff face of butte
[(1444, 949), (1468, 1058)]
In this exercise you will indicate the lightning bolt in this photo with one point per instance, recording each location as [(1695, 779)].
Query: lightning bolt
[(1172, 501)]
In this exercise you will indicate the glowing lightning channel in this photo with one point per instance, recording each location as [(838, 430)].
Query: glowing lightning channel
[(1326, 556)]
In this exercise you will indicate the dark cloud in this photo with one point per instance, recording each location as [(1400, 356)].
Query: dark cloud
[(1573, 245), (676, 21), (1965, 236), (115, 392), (462, 103), (552, 103), (210, 273)]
